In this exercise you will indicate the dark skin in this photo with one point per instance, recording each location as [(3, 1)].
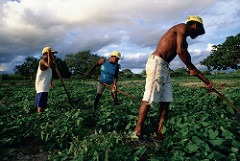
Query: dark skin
[(171, 44), (46, 61)]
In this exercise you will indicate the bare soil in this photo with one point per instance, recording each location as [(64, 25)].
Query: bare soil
[(30, 151)]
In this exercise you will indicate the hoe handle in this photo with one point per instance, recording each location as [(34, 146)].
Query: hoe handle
[(130, 96), (206, 81), (224, 98), (60, 78), (202, 78)]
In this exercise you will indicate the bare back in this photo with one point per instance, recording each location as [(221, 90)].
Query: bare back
[(168, 45)]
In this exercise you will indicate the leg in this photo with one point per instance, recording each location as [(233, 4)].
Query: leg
[(100, 89), (96, 101), (39, 109), (149, 93), (164, 107), (115, 99), (143, 111), (41, 101)]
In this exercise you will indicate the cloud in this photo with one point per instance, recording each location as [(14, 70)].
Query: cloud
[(3, 67), (135, 60), (209, 47), (134, 28)]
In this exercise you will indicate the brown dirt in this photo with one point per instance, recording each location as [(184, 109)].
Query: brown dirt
[(192, 84), (30, 151)]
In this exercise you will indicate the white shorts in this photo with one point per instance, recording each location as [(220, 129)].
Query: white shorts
[(158, 86)]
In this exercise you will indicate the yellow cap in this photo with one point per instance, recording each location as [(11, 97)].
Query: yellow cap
[(194, 18), (45, 50), (116, 53)]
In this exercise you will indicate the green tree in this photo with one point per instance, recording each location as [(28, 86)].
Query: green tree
[(224, 56), (181, 72), (127, 73), (81, 62), (63, 68), (143, 73), (28, 68), (5, 76)]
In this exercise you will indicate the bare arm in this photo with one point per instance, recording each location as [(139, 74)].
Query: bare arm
[(45, 64), (100, 62), (116, 78), (186, 58), (182, 52), (115, 83)]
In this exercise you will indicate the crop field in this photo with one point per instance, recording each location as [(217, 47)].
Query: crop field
[(200, 125)]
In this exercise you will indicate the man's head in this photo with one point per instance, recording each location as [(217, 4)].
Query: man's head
[(46, 49), (115, 56), (196, 23)]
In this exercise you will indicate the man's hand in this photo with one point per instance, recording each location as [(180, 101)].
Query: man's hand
[(101, 61), (51, 57), (51, 85), (50, 54), (209, 86), (114, 87), (208, 83)]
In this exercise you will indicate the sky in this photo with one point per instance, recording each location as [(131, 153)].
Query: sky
[(131, 27)]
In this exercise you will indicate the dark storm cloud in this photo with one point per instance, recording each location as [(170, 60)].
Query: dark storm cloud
[(134, 27)]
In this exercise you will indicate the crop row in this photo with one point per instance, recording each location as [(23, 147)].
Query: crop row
[(200, 126)]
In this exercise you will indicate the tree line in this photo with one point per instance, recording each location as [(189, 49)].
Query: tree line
[(223, 57)]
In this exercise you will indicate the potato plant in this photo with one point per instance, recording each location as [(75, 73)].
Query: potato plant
[(200, 126)]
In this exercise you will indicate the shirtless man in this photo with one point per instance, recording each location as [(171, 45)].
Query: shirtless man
[(158, 85)]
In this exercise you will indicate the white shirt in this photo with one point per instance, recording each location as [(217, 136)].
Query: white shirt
[(43, 80)]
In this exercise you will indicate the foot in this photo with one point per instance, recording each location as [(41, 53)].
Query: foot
[(133, 135), (159, 136)]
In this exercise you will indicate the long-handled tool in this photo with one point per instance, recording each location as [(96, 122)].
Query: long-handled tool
[(118, 90), (130, 96), (219, 94), (60, 78)]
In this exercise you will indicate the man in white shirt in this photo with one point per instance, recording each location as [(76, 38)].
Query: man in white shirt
[(43, 78)]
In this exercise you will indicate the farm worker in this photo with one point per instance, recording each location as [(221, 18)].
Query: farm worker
[(109, 75), (43, 78), (158, 85)]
